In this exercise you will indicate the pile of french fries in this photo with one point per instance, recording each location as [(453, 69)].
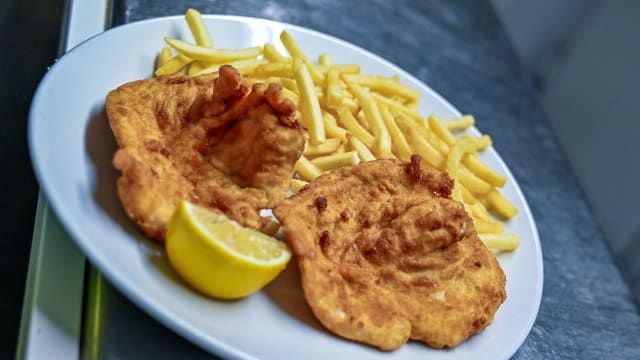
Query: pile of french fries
[(352, 117)]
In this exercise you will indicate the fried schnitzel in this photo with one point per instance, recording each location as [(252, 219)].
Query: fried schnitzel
[(386, 256), (210, 140)]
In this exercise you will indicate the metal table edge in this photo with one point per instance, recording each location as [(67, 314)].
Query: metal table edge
[(49, 327)]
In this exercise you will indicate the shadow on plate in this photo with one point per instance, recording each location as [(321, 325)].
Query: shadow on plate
[(286, 292), (101, 146)]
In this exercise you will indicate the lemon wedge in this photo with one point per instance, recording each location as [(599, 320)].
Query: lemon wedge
[(219, 257)]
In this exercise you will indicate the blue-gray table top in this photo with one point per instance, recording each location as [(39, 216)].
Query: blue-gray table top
[(460, 49)]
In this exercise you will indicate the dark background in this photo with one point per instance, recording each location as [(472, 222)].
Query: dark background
[(29, 33)]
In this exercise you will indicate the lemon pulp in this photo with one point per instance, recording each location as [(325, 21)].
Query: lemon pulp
[(219, 257)]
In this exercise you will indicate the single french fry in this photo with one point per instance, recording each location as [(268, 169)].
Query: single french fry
[(331, 127), (467, 196), (164, 57), (198, 28), (329, 162), (325, 59), (286, 82), (201, 68), (488, 226), (292, 46), (327, 147), (291, 96), (297, 185), (174, 65), (271, 228), (334, 90), (440, 130), (413, 105), (385, 86), (317, 76), (244, 66), (399, 143), (294, 50), (478, 211), (346, 119), (306, 169), (311, 114), (362, 120), (460, 123), (501, 205), (363, 152), (472, 182), (272, 54), (196, 67), (397, 98), (504, 242), (212, 54), (473, 163), (342, 68), (483, 142), (279, 69), (483, 200)]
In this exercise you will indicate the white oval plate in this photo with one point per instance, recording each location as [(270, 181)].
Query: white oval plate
[(71, 147)]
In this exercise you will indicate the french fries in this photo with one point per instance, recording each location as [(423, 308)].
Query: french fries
[(272, 54), (311, 114), (362, 149), (173, 65), (244, 66), (386, 86), (382, 139), (164, 57), (324, 59), (352, 117), (454, 159), (271, 228), (306, 169), (349, 122), (399, 144), (297, 184), (332, 128), (198, 28), (330, 162), (212, 55), (504, 242), (334, 90), (330, 146)]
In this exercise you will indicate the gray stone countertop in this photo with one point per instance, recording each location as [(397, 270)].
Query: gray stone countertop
[(459, 48)]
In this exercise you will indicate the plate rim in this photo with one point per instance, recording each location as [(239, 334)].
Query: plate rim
[(167, 317)]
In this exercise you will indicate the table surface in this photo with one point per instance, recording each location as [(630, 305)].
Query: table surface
[(461, 50)]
